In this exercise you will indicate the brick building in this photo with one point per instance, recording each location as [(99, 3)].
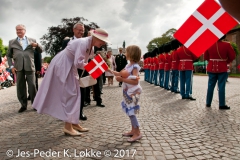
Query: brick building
[(234, 36)]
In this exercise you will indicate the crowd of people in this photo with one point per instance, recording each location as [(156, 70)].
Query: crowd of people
[(60, 86), (8, 79)]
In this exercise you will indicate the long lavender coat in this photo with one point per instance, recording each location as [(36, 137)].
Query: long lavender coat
[(59, 93)]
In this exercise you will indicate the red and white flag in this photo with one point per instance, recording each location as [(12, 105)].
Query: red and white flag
[(204, 27), (2, 78), (96, 66)]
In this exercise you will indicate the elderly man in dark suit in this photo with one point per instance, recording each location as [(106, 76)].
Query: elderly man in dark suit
[(120, 62), (78, 31), (21, 50)]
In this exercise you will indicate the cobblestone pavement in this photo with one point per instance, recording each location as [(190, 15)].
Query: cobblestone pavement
[(172, 128)]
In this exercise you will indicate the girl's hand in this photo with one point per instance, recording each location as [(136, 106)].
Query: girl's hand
[(109, 70), (119, 79)]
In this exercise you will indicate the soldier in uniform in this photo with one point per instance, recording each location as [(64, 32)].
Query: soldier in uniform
[(167, 65), (120, 62), (149, 68), (155, 66), (174, 67), (145, 66), (218, 56), (161, 61), (185, 59)]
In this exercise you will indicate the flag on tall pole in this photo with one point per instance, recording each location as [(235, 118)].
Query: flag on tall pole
[(204, 27)]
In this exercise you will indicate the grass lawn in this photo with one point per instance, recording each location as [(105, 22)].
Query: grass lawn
[(234, 75)]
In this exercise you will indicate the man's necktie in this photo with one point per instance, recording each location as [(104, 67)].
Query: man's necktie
[(20, 41)]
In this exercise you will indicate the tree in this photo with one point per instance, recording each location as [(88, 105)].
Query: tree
[(52, 41), (3, 49), (158, 41), (47, 59)]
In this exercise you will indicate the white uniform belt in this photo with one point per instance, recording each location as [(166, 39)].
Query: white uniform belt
[(217, 60), (174, 61), (185, 60)]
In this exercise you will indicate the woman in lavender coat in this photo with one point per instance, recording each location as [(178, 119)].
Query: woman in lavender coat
[(59, 93)]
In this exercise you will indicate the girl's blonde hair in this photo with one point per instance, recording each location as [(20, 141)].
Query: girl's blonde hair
[(133, 53)]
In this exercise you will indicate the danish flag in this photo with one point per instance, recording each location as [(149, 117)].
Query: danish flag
[(4, 76), (204, 27), (96, 66)]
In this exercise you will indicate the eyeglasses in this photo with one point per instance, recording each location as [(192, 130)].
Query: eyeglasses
[(79, 30), (20, 29)]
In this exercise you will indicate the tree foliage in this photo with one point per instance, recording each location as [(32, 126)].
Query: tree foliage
[(47, 59), (158, 41), (52, 41), (3, 49), (235, 48)]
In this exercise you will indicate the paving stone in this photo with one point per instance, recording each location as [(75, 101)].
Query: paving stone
[(178, 156), (172, 128)]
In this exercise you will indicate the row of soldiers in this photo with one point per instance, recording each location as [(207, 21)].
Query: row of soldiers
[(175, 58), (163, 65)]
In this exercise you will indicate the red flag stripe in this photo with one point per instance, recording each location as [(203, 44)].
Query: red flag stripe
[(207, 24)]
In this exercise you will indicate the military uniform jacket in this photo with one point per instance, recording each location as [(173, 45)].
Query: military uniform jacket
[(151, 63), (168, 61), (121, 62), (185, 59), (218, 56), (156, 65), (175, 64), (161, 60), (145, 63)]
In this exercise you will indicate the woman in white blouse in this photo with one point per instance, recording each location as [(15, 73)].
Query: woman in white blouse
[(112, 66)]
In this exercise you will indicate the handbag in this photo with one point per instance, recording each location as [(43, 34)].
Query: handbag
[(86, 81)]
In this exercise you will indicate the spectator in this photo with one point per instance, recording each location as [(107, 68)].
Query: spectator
[(111, 65), (21, 50)]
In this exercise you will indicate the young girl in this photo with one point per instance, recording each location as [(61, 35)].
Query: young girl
[(133, 91), (133, 54)]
